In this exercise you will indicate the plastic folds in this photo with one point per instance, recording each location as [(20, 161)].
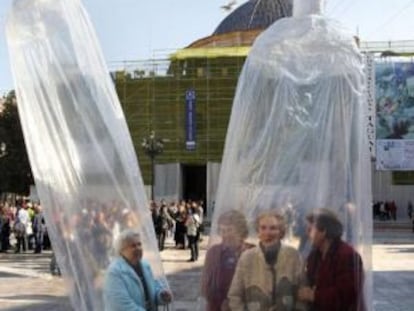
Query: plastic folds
[(296, 142), (81, 153)]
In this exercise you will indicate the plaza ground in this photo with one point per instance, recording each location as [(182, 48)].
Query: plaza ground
[(25, 282)]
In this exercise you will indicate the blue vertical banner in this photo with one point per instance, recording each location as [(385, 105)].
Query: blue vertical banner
[(190, 119)]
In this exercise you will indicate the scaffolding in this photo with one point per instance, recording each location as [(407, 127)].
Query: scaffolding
[(152, 95)]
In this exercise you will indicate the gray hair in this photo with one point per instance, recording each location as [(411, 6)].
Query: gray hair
[(272, 213), (125, 236)]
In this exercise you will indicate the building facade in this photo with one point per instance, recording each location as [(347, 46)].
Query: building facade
[(153, 96)]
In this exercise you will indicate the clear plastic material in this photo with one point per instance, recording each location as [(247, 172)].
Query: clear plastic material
[(297, 136), (79, 146), (303, 8)]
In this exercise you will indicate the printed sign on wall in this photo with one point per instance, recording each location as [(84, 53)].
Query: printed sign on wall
[(190, 120)]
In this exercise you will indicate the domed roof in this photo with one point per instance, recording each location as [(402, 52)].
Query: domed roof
[(255, 14)]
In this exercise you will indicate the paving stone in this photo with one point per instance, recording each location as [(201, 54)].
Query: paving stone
[(26, 285)]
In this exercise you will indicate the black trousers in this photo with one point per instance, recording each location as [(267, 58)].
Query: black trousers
[(161, 239), (193, 245), (21, 243), (39, 236)]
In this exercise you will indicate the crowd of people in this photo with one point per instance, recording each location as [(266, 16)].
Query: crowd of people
[(385, 210), (24, 223), (183, 220)]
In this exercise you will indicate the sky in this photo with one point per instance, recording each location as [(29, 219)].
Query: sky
[(138, 29)]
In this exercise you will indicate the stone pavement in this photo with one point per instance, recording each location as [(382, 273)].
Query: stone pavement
[(25, 283), (393, 265)]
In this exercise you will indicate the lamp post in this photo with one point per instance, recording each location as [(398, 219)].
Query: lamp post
[(152, 146)]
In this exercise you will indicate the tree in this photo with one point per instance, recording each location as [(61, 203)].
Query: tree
[(15, 172)]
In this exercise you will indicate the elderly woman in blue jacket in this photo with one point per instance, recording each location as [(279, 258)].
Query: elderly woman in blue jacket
[(129, 283)]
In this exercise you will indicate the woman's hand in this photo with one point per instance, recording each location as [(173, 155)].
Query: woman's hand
[(225, 305), (306, 294), (166, 296)]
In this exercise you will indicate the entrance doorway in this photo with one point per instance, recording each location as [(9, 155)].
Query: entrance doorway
[(194, 182)]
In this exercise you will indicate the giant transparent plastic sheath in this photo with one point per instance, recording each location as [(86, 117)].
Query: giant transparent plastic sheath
[(81, 153), (297, 137)]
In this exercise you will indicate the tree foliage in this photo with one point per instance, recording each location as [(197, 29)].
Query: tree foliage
[(15, 172)]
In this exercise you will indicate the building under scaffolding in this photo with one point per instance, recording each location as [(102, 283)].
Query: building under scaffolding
[(153, 96)]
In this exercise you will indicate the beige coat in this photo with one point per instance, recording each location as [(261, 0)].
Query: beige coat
[(251, 288)]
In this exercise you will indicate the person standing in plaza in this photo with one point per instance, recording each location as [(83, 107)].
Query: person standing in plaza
[(383, 211), (39, 228), (393, 210), (334, 269), (163, 224), (129, 282), (200, 212), (192, 224), (267, 276), (410, 213), (5, 228), (20, 228), (29, 227), (180, 229), (221, 259)]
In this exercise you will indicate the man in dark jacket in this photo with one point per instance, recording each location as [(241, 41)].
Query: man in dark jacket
[(163, 223), (39, 228), (334, 269)]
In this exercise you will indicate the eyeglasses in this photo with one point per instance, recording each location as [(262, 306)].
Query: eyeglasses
[(264, 227), (226, 229)]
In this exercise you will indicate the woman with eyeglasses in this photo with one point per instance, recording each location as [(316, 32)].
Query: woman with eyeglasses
[(267, 276)]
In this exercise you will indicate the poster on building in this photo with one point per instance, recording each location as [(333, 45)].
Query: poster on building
[(394, 92), (369, 70), (190, 119), (395, 154)]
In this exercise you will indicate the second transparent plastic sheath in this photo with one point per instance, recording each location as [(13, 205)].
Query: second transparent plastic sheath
[(297, 135)]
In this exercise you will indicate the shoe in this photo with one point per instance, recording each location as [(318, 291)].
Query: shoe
[(190, 260)]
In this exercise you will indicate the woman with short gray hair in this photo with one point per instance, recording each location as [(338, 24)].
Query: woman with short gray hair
[(129, 282), (123, 238), (267, 276)]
